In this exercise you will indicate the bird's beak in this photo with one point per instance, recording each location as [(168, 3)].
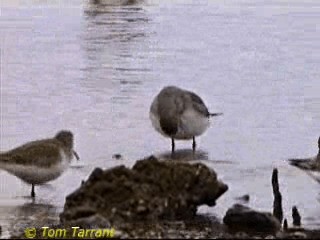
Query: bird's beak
[(215, 114), (76, 155)]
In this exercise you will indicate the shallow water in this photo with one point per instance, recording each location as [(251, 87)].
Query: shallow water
[(95, 70)]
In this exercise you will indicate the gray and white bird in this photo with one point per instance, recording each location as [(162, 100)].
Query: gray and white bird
[(308, 164), (179, 114), (40, 161)]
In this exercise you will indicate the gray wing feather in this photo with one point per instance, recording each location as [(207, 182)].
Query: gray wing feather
[(36, 153), (198, 104)]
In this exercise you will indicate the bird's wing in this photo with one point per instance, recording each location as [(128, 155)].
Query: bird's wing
[(198, 104), (38, 153), (170, 105)]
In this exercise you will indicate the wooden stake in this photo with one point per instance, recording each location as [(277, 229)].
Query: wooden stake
[(296, 217), (277, 202)]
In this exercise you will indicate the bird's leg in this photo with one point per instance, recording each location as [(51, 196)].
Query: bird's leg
[(172, 145), (32, 191), (76, 155), (194, 144)]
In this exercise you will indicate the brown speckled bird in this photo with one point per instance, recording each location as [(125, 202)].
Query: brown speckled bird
[(40, 161)]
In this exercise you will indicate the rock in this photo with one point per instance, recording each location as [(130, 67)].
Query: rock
[(151, 190), (242, 218), (298, 233), (241, 235), (91, 222), (280, 234), (81, 212)]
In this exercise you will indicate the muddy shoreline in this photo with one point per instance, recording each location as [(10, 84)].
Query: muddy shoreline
[(201, 227), (159, 199)]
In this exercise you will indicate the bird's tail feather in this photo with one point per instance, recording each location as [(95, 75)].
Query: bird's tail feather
[(302, 163)]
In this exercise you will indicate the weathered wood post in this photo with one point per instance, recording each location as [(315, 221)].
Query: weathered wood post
[(296, 217), (277, 202)]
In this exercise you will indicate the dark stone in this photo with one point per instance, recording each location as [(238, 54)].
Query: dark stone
[(96, 174), (242, 218), (81, 212), (151, 190), (91, 222)]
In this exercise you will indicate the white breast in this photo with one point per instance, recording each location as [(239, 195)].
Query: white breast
[(192, 124), (37, 175)]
